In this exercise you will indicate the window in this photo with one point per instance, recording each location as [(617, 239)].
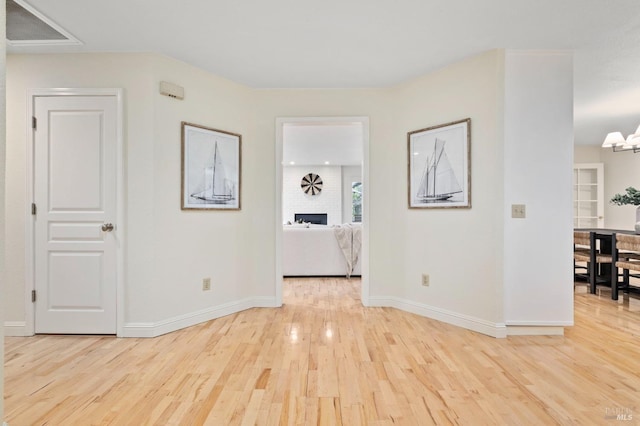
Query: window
[(356, 204)]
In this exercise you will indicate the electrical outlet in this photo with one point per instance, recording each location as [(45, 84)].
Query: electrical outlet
[(425, 280), (206, 284), (518, 211)]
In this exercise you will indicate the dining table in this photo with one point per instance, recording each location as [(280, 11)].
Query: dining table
[(607, 245)]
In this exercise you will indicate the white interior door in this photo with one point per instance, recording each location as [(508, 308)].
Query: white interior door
[(75, 148)]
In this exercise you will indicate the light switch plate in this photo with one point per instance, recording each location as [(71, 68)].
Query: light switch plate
[(206, 284), (425, 280), (518, 211)]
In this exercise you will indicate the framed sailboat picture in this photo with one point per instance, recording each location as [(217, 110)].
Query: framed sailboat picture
[(210, 168), (439, 166)]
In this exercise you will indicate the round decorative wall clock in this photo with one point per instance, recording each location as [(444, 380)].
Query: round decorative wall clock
[(311, 184)]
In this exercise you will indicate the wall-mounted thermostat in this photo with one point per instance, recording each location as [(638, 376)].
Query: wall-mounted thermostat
[(171, 90)]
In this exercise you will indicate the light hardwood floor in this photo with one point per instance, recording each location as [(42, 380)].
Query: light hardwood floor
[(324, 359)]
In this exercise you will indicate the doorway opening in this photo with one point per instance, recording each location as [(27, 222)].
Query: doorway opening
[(315, 144)]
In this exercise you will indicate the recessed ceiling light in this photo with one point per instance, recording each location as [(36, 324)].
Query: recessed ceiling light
[(292, 162), (326, 162)]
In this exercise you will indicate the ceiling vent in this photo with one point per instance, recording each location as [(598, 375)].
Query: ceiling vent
[(28, 27)]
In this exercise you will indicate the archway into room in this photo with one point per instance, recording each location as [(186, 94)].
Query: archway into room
[(318, 146)]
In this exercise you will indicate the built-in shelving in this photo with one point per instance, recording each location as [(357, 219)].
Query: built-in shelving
[(588, 195)]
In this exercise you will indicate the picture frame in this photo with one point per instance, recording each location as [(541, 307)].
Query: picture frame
[(211, 168), (439, 166)]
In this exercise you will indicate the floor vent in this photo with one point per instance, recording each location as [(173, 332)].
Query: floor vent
[(28, 27)]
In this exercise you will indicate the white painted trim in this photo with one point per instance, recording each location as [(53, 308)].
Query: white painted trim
[(364, 121), (278, 216), (489, 328), (120, 213), (539, 323), (29, 271), (366, 190), (498, 330), (534, 331), (15, 329), (29, 328), (149, 329)]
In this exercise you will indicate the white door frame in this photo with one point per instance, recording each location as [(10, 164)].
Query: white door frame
[(120, 200), (364, 259)]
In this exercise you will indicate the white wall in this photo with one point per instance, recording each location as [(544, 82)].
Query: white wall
[(329, 200), (538, 161), (169, 251), (461, 249), (586, 154), (191, 245)]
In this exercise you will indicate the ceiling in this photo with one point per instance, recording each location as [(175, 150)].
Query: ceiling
[(332, 144), (370, 43)]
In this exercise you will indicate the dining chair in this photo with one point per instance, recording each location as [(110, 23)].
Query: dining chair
[(586, 250), (581, 255), (627, 257)]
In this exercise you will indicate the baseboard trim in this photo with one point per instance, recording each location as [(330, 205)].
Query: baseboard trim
[(530, 330), (149, 329), (498, 330), (16, 329), (539, 323), (489, 328), (537, 328)]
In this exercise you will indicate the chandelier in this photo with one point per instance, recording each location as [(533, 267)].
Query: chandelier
[(618, 143)]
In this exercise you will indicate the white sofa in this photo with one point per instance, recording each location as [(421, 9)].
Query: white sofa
[(313, 251)]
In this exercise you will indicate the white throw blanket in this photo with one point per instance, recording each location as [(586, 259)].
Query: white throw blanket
[(350, 241)]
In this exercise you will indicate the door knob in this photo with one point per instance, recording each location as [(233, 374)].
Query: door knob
[(107, 227)]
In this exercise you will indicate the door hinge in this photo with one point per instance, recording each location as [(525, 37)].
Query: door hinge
[(34, 209), (34, 123), (33, 296)]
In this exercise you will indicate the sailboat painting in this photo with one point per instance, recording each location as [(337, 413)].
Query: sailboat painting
[(210, 168), (439, 166)]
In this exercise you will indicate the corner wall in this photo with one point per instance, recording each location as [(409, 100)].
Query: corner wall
[(538, 165), (461, 249), (169, 251), (190, 245)]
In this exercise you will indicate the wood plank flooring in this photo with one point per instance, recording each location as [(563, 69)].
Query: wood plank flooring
[(324, 359)]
